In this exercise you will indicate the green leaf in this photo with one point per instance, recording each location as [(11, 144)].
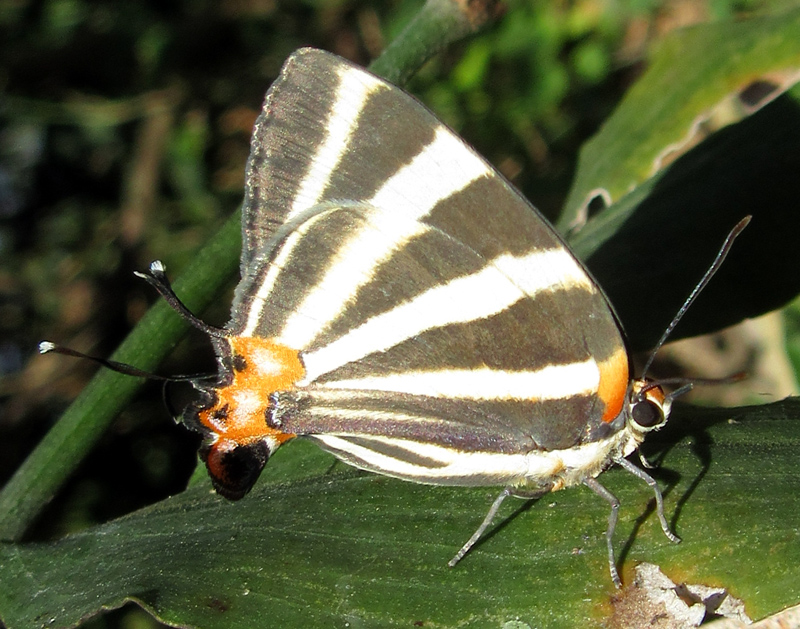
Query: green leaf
[(650, 248), (319, 545), (695, 74)]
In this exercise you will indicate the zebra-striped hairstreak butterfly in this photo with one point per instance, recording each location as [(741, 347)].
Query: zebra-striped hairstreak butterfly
[(403, 306)]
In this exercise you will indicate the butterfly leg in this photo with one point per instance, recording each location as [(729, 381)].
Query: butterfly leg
[(636, 471), (645, 463), (487, 521), (612, 500)]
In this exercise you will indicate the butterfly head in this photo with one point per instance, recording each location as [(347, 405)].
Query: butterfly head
[(236, 416), (648, 407)]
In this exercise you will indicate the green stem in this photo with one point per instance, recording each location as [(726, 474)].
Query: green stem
[(438, 24)]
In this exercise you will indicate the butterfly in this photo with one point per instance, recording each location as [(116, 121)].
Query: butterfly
[(408, 310)]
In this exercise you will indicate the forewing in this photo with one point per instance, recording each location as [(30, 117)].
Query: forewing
[(430, 302), (328, 130), (331, 131)]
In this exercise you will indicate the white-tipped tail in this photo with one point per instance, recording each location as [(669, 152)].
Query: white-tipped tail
[(46, 346)]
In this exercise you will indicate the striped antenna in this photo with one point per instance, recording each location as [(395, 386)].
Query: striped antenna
[(48, 347), (712, 270), (157, 278)]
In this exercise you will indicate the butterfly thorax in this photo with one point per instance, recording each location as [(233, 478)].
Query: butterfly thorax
[(646, 409)]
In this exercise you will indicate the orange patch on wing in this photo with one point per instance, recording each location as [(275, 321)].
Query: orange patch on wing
[(240, 413), (613, 384)]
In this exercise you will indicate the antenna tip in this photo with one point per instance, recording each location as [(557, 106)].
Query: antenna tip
[(46, 346), (156, 269), (157, 266)]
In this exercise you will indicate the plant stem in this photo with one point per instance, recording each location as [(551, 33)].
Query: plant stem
[(438, 24)]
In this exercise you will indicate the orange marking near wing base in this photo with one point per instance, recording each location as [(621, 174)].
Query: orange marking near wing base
[(613, 384), (239, 416)]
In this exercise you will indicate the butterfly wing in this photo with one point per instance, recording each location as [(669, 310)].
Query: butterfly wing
[(434, 309)]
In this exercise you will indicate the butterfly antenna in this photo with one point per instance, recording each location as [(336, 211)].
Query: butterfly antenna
[(723, 253), (157, 278), (48, 347)]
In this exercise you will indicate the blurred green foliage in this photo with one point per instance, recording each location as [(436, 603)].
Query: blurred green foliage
[(792, 319)]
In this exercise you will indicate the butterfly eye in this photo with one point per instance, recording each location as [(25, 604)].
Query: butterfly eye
[(647, 414)]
